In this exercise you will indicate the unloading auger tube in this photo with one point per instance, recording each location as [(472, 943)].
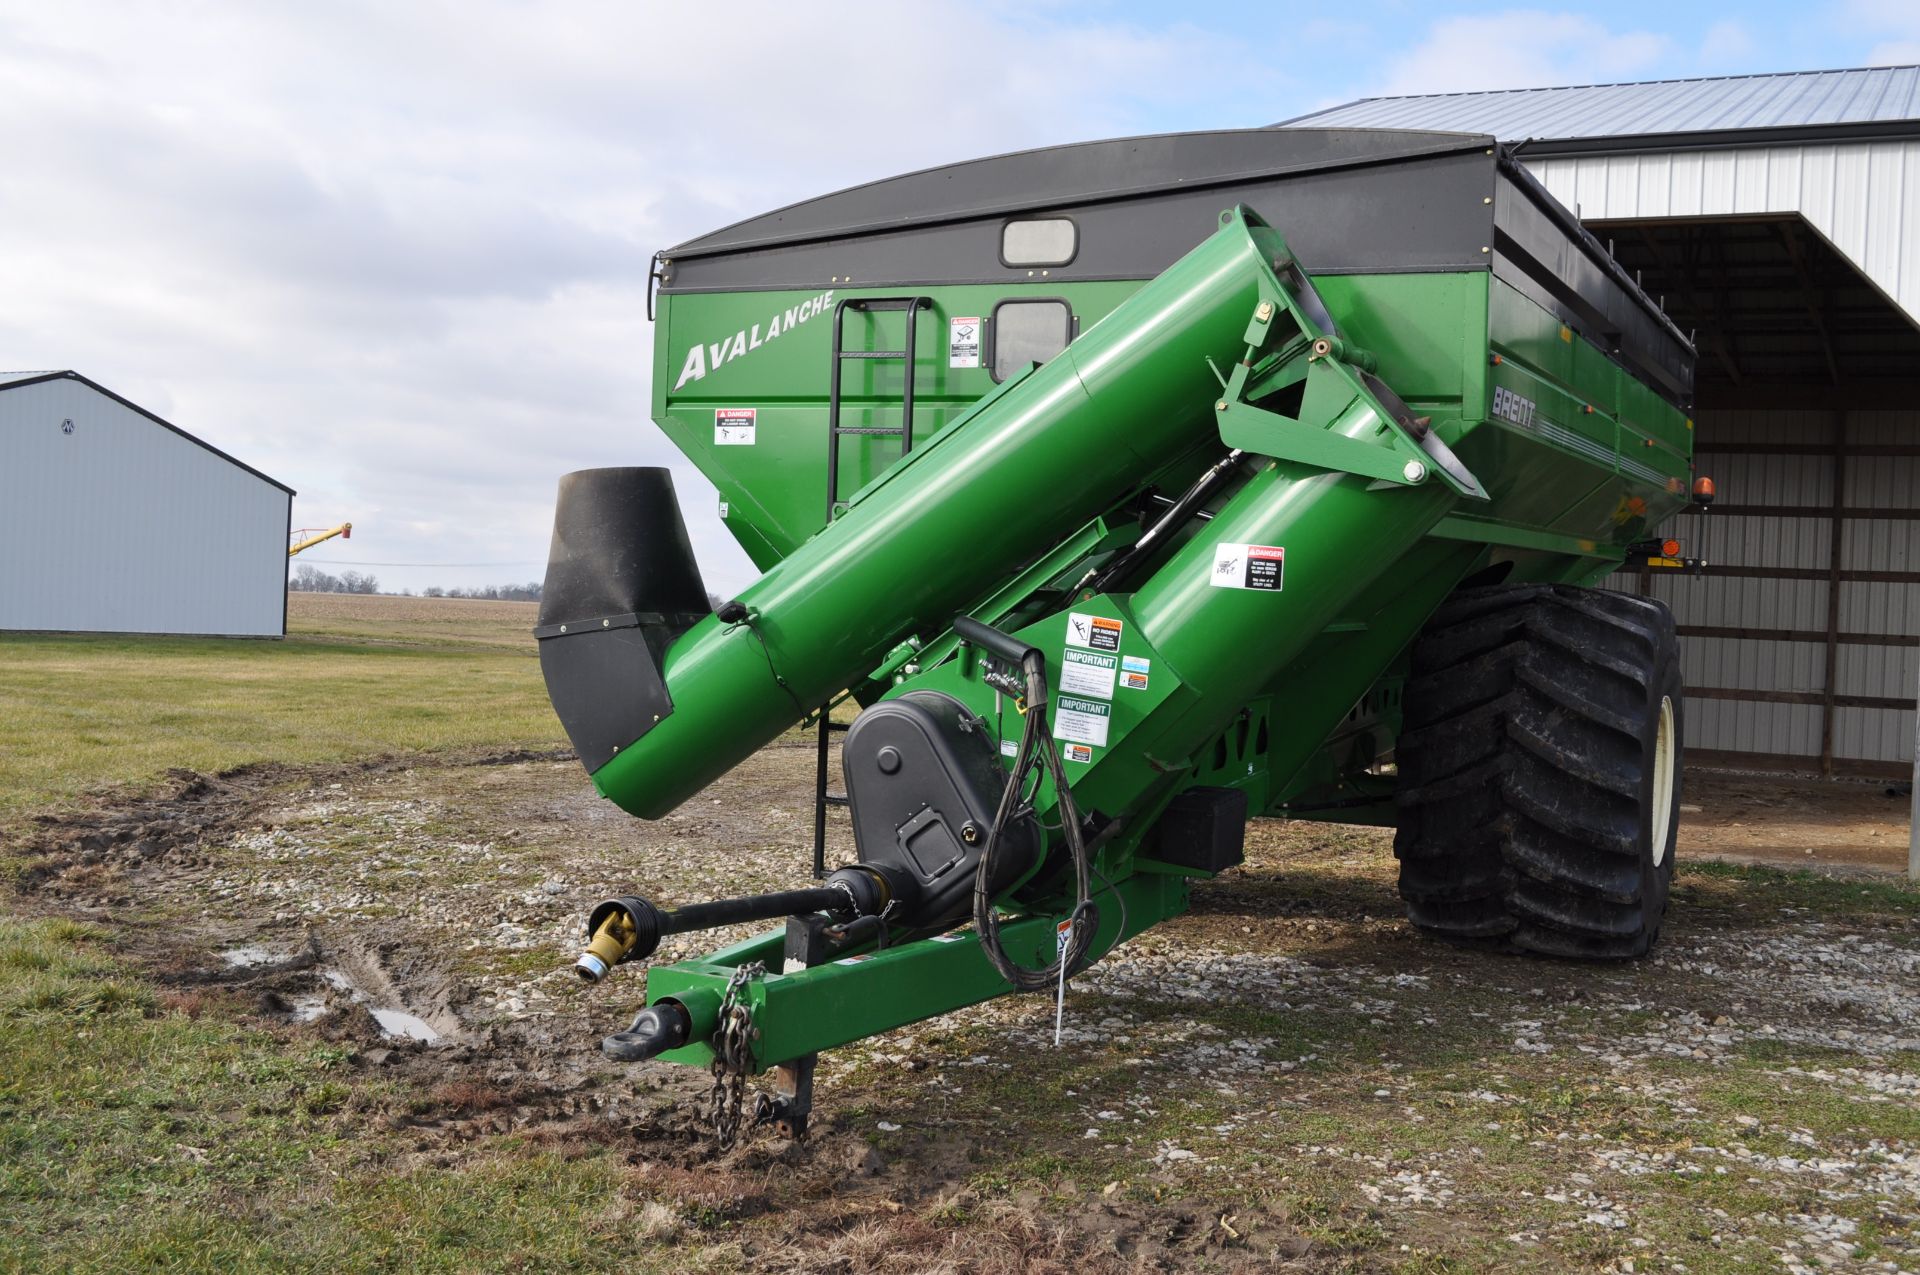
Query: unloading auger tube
[(994, 785), (947, 832)]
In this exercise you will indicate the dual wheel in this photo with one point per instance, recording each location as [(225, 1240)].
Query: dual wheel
[(1539, 765)]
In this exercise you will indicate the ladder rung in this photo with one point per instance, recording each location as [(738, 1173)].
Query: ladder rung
[(866, 429), (873, 354), (834, 799), (840, 726)]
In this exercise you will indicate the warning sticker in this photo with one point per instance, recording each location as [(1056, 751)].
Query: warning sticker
[(1009, 748), (1134, 672), (1096, 632), (1082, 720), (1079, 752), (734, 426), (723, 509), (963, 342), (1088, 673), (1249, 567)]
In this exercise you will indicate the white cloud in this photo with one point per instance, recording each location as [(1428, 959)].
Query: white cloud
[(1518, 49), (1898, 20), (1727, 41), (396, 255)]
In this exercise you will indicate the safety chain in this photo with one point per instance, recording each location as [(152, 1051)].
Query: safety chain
[(733, 1057)]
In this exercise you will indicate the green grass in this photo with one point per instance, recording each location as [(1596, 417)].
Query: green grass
[(79, 712), (136, 1136), (1761, 892)]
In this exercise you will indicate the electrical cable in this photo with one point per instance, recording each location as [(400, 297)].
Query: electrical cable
[(779, 681), (1119, 935)]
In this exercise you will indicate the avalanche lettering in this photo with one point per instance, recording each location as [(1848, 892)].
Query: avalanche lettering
[(704, 358)]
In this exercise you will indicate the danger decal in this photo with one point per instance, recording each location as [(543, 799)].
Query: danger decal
[(1241, 566), (1095, 632), (734, 426), (963, 342)]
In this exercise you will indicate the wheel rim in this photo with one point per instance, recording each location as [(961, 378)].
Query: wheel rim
[(1665, 756)]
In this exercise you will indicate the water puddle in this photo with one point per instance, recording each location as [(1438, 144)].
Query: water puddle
[(304, 1009), (399, 1023), (394, 1023), (249, 955)]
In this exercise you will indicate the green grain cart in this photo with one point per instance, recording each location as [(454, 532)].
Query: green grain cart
[(1134, 489)]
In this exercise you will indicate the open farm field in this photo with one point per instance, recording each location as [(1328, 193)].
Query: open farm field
[(283, 985)]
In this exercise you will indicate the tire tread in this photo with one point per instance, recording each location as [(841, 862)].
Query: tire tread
[(1520, 767)]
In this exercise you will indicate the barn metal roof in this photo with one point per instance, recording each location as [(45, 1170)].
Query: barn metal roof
[(18, 380), (1862, 102)]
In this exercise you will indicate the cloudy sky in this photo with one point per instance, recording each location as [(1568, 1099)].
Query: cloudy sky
[(395, 254)]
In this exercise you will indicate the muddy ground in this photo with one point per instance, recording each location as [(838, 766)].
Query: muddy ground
[(1285, 1076)]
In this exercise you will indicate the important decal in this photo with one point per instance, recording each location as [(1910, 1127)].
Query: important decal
[(963, 342), (734, 426), (1134, 672), (1088, 673), (1095, 632), (1084, 721), (1237, 566), (706, 357)]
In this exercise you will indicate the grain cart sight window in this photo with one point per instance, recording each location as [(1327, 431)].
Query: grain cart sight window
[(1039, 241), (1026, 332)]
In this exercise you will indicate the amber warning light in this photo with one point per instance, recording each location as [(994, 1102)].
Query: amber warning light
[(1703, 491)]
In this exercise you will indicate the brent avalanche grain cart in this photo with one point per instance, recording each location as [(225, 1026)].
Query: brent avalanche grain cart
[(1134, 489)]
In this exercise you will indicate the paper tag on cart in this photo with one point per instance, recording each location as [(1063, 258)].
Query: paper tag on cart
[(1062, 938)]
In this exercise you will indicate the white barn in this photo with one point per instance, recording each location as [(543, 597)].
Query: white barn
[(1779, 218), (115, 521)]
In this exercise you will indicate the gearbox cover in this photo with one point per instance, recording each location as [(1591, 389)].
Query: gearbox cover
[(923, 783)]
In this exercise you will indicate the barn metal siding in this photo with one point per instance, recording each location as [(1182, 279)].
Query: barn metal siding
[(126, 526), (1863, 196), (1880, 736)]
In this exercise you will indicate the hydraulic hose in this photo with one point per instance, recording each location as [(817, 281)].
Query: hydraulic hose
[(1036, 748)]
